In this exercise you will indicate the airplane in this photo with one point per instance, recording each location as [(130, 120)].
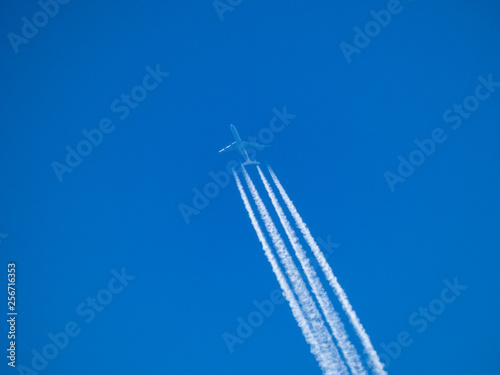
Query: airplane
[(242, 146)]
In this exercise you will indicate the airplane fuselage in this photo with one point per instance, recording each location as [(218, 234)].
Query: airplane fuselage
[(235, 134), (239, 144), (242, 146)]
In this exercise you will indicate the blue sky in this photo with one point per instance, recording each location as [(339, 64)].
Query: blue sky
[(119, 207)]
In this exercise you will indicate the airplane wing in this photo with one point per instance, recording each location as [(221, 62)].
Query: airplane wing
[(258, 146), (228, 148)]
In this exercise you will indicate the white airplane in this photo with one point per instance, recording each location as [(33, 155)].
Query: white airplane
[(242, 146)]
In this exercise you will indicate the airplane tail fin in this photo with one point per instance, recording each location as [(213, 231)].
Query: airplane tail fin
[(249, 162)]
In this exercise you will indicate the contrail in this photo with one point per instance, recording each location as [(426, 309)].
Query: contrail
[(348, 350), (309, 307), (373, 358), (323, 361)]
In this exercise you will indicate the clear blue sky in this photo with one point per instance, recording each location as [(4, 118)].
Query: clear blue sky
[(119, 207)]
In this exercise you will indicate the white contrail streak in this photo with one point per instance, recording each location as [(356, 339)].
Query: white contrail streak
[(348, 350), (373, 358), (308, 306), (323, 361)]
